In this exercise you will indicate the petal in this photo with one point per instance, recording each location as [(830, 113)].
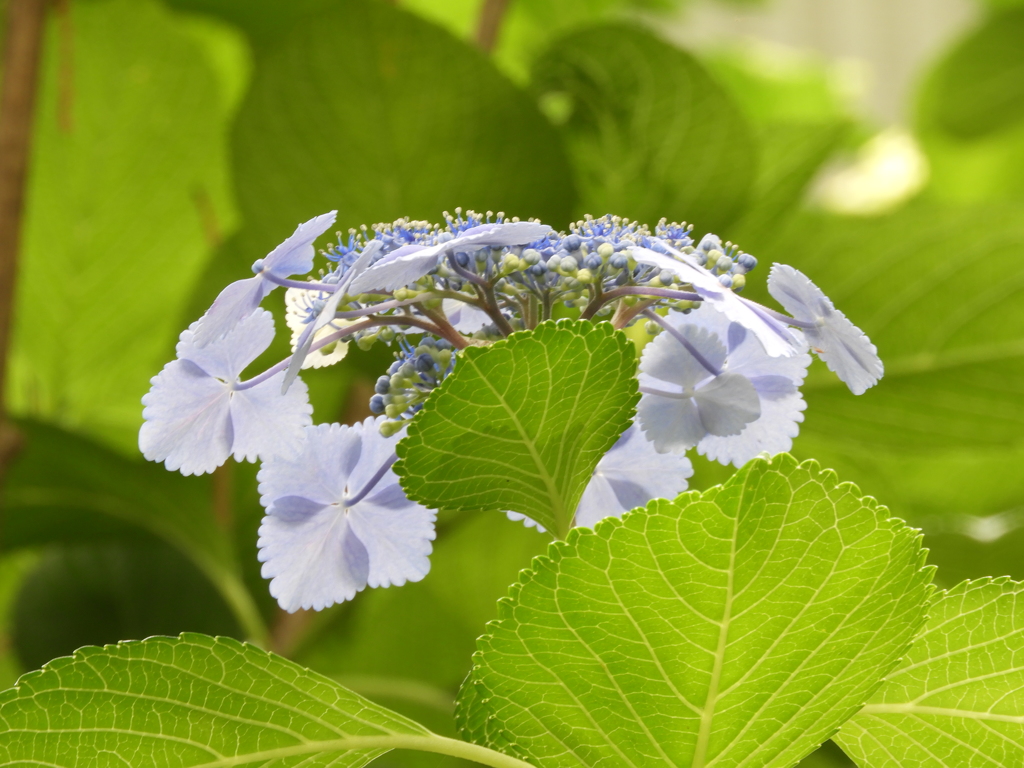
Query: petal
[(400, 267), (773, 433), (313, 562), (727, 403), (844, 347), (598, 502), (671, 423), (501, 235), (465, 318), (776, 337), (667, 359), (267, 423), (295, 255), (187, 425), (375, 451), (319, 471), (233, 305), (228, 357), (396, 532)]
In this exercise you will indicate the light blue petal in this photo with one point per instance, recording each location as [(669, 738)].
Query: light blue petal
[(312, 563), (374, 452), (671, 423), (774, 335), (401, 267), (267, 423), (529, 522), (727, 403), (295, 509), (319, 471), (396, 532), (186, 420), (666, 359), (233, 305), (295, 255), (772, 433), (465, 318), (500, 235), (844, 347), (228, 357)]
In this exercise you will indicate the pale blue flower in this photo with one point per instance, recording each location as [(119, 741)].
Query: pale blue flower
[(776, 380), (632, 473), (198, 413), (778, 340), (687, 393), (241, 298), (844, 347), (465, 318), (411, 262), (338, 521)]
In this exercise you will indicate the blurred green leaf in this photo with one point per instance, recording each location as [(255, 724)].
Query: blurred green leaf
[(128, 178), (95, 594), (379, 114), (13, 568), (521, 424), (829, 755), (944, 429), (957, 697), (651, 135), (739, 626), (66, 488), (979, 85)]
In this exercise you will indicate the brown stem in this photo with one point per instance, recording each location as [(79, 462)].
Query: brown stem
[(596, 302), (447, 329), (22, 49), (223, 493), (492, 12), (624, 314), (494, 310)]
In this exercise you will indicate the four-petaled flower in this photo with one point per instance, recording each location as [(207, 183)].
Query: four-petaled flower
[(338, 521), (198, 413), (844, 347)]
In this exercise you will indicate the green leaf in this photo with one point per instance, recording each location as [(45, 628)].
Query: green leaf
[(521, 424), (741, 626), (980, 83), (942, 430), (650, 134), (65, 488), (128, 165), (92, 594), (200, 701), (958, 697), (370, 110)]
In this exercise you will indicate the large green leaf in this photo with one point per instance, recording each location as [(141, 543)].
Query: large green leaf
[(741, 626), (958, 697), (372, 111), (651, 135), (980, 83), (128, 167), (938, 291), (521, 424), (66, 488), (199, 701)]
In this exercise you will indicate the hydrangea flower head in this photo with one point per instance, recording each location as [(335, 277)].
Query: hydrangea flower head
[(198, 413), (338, 521), (240, 299), (844, 347)]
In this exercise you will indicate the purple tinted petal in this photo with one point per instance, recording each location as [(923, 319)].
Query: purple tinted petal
[(319, 471), (406, 265), (295, 255), (666, 359), (773, 387), (234, 304), (397, 536), (267, 423), (672, 424), (186, 420), (226, 358), (293, 509), (501, 235), (727, 403)]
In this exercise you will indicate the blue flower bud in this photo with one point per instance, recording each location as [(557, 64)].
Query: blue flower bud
[(538, 269), (619, 261), (725, 280), (393, 368), (257, 266), (572, 243), (425, 363), (377, 404), (666, 276), (462, 259), (746, 261), (593, 262), (383, 385)]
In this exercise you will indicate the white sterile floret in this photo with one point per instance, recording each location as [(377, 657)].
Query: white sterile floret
[(628, 476), (198, 413), (776, 380), (338, 521), (777, 338), (686, 397), (844, 347), (298, 307), (465, 318)]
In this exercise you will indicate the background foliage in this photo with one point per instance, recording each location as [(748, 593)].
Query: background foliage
[(177, 141)]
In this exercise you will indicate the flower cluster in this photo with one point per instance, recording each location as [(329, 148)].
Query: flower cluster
[(722, 373)]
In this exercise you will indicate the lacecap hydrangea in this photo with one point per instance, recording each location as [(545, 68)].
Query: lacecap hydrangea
[(722, 374)]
